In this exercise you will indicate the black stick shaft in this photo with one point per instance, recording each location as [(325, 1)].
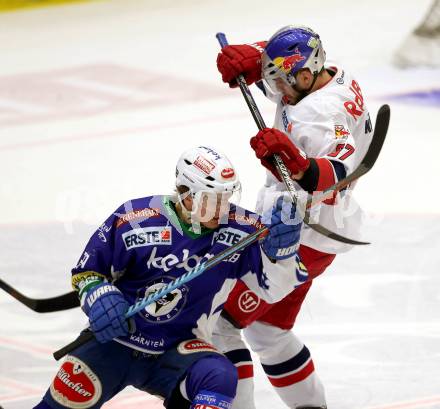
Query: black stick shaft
[(83, 338), (280, 166)]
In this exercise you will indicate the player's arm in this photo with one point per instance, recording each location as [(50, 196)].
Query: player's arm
[(94, 266), (273, 264), (311, 173), (102, 302)]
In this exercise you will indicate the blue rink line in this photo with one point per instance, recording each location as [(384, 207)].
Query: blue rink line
[(427, 98)]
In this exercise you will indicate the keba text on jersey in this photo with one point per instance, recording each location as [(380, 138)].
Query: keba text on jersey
[(172, 261)]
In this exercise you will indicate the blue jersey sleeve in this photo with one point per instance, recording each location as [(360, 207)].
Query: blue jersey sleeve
[(103, 258)]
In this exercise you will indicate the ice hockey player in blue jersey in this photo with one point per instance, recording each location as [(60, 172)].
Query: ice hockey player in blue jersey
[(165, 349)]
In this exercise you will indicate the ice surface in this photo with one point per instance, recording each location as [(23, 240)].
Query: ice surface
[(98, 100)]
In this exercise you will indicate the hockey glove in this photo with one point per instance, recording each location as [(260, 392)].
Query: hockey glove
[(284, 230), (244, 59), (106, 306), (269, 141)]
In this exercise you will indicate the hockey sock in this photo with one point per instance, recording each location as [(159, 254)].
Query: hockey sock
[(241, 358), (296, 381), (211, 382)]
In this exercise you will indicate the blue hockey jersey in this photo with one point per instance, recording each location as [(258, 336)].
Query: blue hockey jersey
[(143, 246)]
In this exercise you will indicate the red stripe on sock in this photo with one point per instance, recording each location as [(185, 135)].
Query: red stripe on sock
[(245, 371), (293, 378)]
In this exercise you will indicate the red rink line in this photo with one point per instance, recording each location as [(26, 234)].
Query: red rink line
[(21, 396), (25, 346), (119, 132), (22, 391), (422, 403)]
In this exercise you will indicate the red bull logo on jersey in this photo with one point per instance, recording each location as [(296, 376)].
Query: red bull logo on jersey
[(286, 64), (341, 132)]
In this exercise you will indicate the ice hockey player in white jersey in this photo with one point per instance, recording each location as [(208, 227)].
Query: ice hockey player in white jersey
[(145, 244), (322, 130)]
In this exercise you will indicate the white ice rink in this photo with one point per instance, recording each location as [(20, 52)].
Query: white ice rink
[(98, 100)]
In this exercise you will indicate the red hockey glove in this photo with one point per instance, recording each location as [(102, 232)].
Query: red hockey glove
[(269, 141), (244, 59)]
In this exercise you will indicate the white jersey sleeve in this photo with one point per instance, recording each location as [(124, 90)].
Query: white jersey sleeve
[(281, 277), (333, 123)]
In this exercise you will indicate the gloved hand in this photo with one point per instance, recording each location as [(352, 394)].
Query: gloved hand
[(244, 59), (106, 306), (269, 141), (284, 230)]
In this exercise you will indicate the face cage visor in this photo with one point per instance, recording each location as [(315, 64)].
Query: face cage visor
[(272, 75), (208, 204)]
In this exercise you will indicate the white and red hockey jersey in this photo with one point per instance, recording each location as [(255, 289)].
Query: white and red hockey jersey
[(331, 123)]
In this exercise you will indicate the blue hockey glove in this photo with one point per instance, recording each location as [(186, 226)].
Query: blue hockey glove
[(284, 230), (106, 306)]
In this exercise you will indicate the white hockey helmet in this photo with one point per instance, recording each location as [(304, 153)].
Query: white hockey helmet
[(204, 169)]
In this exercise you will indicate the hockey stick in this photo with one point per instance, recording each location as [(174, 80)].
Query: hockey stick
[(278, 162), (88, 335), (42, 305), (70, 300), (379, 134), (380, 130)]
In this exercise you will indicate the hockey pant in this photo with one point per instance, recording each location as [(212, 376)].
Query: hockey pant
[(193, 375), (285, 359)]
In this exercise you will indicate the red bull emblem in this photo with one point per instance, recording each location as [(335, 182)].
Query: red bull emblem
[(228, 173), (286, 64), (341, 132)]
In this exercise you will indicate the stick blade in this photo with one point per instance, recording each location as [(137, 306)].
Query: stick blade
[(380, 132), (42, 305)]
